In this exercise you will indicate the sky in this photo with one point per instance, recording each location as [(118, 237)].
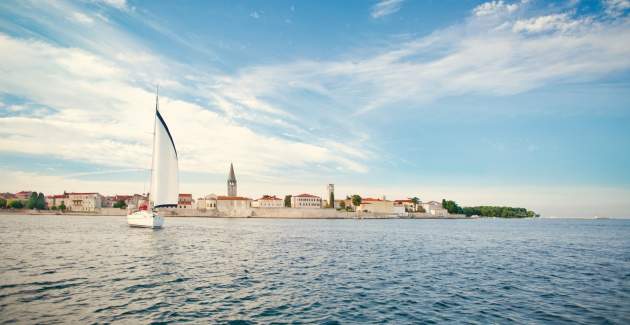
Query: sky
[(511, 103)]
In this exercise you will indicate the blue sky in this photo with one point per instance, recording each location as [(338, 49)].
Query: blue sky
[(522, 103)]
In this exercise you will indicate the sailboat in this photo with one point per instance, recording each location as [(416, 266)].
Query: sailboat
[(164, 179)]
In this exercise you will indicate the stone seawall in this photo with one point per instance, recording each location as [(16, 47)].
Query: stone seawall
[(276, 213), (300, 213)]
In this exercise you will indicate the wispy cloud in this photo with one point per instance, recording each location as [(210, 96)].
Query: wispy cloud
[(495, 8), (555, 22), (82, 18), (616, 7), (91, 91), (118, 4), (386, 7), (488, 54)]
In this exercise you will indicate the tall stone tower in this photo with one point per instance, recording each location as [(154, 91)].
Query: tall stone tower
[(231, 182), (331, 196)]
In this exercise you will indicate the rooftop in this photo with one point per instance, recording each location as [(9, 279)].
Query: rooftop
[(306, 195), (369, 199), (233, 198), (269, 197)]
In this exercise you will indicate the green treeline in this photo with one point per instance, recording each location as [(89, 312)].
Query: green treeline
[(499, 212), (488, 211)]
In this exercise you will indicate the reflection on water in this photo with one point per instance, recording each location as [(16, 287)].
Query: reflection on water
[(96, 269)]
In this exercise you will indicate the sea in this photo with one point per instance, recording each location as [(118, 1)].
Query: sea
[(96, 269)]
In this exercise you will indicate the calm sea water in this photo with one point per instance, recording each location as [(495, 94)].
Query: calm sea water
[(73, 269)]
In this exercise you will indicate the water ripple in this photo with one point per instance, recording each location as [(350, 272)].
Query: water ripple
[(314, 271)]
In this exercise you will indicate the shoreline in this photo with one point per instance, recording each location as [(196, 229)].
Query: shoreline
[(349, 216)]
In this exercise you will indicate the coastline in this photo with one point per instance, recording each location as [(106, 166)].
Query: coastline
[(261, 214)]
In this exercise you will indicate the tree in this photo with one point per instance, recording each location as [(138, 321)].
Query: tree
[(356, 200), (62, 206), (331, 200), (53, 208), (32, 201), (16, 204), (3, 203), (40, 203), (452, 207), (287, 201), (120, 204), (499, 212), (416, 202)]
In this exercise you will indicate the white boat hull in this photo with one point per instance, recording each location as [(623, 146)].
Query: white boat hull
[(145, 219)]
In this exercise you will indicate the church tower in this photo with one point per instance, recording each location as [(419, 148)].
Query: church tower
[(231, 182)]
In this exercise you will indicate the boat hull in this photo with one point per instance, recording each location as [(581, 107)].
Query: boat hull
[(145, 219)]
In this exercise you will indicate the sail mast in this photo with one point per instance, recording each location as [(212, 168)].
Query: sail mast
[(157, 104)]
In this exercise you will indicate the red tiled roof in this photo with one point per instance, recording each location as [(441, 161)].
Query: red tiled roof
[(185, 195), (77, 193), (23, 192), (306, 195), (235, 198), (403, 201), (369, 199), (268, 197), (57, 196)]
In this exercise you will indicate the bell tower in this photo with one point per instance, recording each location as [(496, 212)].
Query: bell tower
[(231, 182)]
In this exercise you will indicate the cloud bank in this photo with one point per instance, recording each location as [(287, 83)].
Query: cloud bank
[(87, 93)]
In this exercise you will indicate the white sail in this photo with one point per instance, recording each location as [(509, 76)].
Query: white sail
[(164, 178)]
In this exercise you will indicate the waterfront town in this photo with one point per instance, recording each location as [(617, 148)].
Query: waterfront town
[(299, 205)]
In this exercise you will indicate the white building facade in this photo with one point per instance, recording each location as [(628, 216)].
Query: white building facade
[(308, 201), (207, 202), (435, 209), (268, 201), (226, 203), (83, 202)]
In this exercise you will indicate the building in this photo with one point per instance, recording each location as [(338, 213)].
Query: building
[(371, 205), (306, 201), (226, 203), (84, 202), (131, 201), (207, 202), (185, 201), (55, 200), (8, 196), (407, 204), (268, 201), (435, 209), (340, 204), (110, 200), (23, 195), (231, 182)]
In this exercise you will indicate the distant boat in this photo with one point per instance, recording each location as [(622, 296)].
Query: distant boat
[(164, 178)]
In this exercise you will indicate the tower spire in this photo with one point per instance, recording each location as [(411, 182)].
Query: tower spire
[(231, 182)]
